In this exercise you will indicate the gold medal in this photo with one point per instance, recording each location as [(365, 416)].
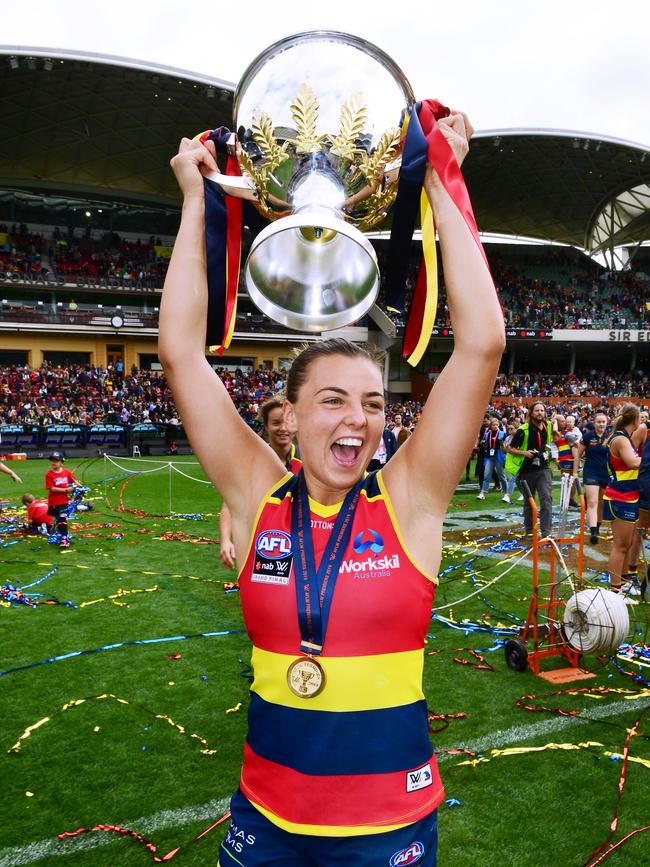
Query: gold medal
[(305, 677)]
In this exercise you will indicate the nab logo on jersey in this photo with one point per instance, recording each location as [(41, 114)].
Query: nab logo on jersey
[(273, 544), (410, 855)]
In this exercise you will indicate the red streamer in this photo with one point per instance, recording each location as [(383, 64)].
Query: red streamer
[(590, 862), (482, 665), (125, 832), (600, 690), (443, 160)]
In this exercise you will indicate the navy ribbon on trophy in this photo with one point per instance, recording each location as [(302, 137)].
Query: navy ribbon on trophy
[(223, 229)]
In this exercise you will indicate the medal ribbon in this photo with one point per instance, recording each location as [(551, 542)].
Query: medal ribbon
[(315, 588)]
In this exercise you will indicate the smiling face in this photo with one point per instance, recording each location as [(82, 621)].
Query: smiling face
[(277, 430), (339, 419)]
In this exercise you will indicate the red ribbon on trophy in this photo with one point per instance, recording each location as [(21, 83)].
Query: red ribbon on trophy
[(424, 143)]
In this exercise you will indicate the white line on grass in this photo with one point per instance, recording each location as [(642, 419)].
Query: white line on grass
[(146, 825), (173, 818)]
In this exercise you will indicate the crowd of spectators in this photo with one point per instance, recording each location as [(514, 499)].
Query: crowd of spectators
[(74, 254), (563, 293), (75, 394), (554, 288), (84, 395), (591, 383)]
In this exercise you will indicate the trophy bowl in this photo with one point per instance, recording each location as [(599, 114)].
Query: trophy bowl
[(319, 119)]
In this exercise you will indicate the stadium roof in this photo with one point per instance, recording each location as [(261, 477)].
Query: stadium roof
[(77, 124)]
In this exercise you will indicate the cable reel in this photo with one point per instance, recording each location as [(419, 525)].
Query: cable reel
[(596, 621)]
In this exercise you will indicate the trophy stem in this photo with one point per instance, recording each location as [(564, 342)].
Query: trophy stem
[(312, 271)]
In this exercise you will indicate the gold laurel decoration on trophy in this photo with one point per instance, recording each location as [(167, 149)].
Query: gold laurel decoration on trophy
[(304, 111), (384, 153), (354, 116), (274, 154), (258, 176)]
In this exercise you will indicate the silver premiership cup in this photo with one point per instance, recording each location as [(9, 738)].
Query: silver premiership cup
[(319, 120)]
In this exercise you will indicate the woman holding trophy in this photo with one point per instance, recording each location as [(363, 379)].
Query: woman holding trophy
[(339, 576)]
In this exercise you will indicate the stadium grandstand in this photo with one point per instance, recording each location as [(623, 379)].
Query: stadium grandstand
[(89, 209)]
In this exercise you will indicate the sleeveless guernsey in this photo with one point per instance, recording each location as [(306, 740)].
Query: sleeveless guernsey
[(293, 462), (564, 453), (644, 469), (356, 758), (623, 484)]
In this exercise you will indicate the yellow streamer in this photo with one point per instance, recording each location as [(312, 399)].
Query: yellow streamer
[(519, 751), (76, 702), (117, 596)]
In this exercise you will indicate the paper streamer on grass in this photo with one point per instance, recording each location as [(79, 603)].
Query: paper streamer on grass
[(592, 692), (105, 647), (125, 832), (116, 598), (602, 850), (107, 696)]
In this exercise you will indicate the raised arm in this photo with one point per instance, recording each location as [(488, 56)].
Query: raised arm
[(424, 473), (240, 465)]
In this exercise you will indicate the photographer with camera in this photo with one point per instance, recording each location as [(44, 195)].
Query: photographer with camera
[(528, 458)]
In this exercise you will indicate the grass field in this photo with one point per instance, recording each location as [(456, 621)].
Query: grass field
[(117, 759)]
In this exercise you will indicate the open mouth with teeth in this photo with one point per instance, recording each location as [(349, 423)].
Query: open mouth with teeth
[(346, 451)]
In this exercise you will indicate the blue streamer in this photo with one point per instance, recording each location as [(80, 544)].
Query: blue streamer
[(40, 580), (104, 647)]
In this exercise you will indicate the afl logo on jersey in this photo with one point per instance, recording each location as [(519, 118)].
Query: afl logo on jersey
[(273, 544), (410, 855)]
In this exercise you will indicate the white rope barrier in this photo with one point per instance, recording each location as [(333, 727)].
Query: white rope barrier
[(596, 620), (167, 465), (135, 472), (181, 473), (150, 460)]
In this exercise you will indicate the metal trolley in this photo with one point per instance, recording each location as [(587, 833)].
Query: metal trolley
[(543, 623)]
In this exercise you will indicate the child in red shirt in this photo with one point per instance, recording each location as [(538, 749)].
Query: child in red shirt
[(38, 518), (58, 483)]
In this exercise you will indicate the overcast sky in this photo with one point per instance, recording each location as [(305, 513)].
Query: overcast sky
[(562, 64)]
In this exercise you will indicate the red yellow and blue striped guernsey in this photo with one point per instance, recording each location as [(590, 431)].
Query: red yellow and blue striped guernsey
[(356, 758), (564, 453), (623, 484)]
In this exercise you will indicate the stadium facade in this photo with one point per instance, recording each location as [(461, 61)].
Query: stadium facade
[(86, 148)]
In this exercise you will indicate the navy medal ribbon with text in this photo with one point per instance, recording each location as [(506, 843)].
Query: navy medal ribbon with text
[(315, 588)]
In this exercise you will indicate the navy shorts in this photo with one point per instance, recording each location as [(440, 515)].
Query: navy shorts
[(253, 841), (592, 477), (644, 494), (621, 511)]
